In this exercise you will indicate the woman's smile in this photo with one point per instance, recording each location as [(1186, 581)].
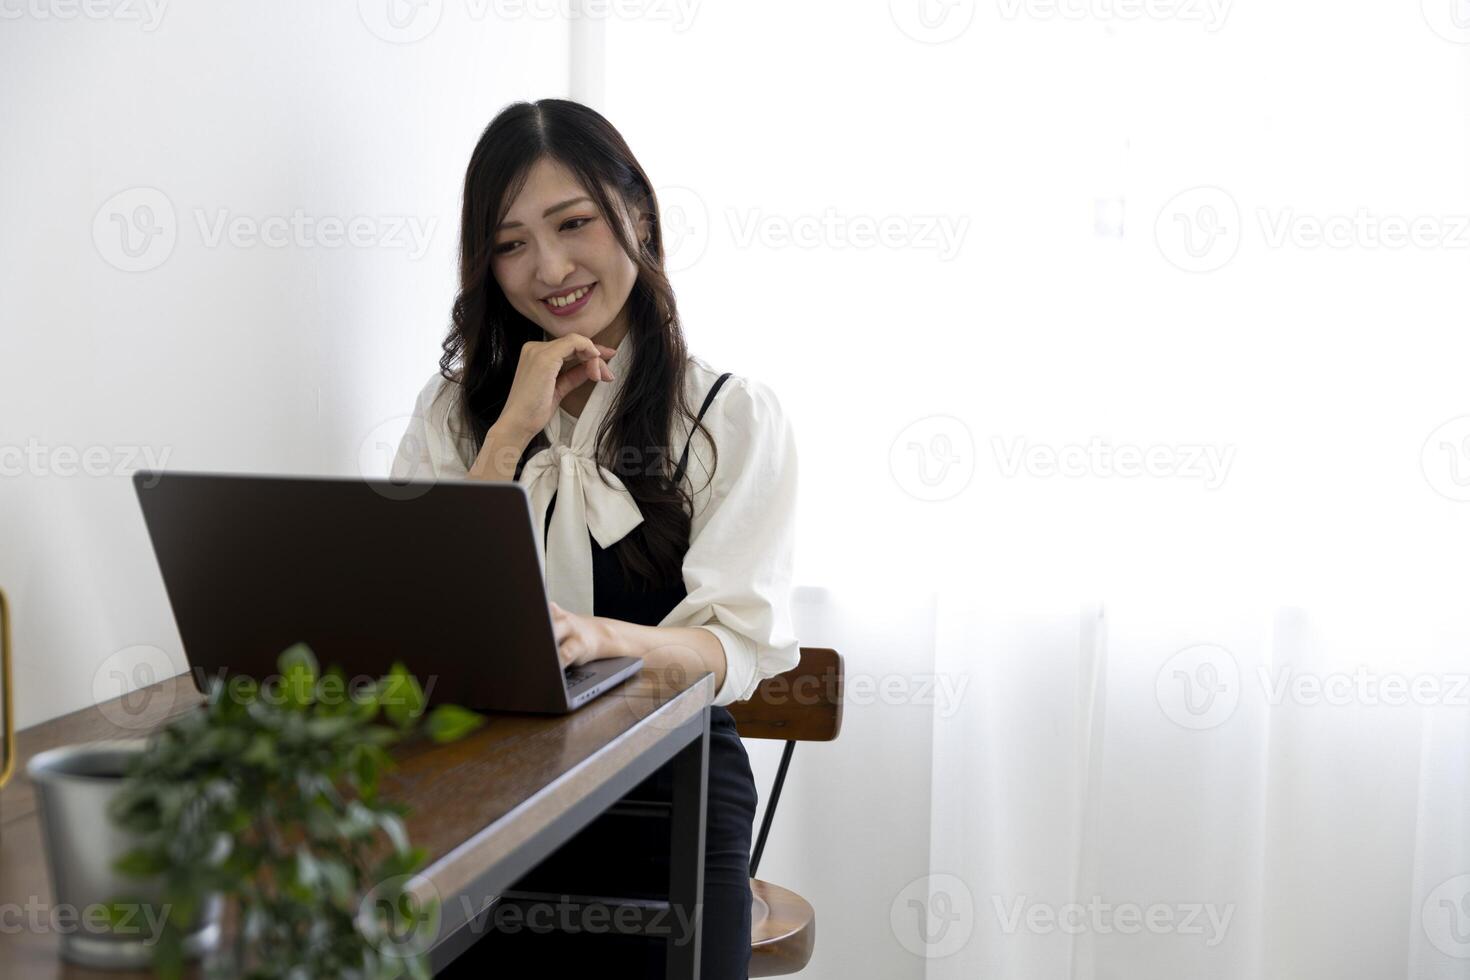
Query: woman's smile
[(569, 301)]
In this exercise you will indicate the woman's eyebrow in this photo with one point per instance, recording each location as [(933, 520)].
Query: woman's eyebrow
[(545, 214)]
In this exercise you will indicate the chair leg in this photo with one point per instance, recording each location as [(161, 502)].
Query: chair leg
[(760, 842)]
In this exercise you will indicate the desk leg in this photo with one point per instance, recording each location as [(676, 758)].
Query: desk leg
[(686, 855)]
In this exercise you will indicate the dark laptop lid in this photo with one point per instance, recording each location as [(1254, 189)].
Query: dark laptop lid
[(444, 576)]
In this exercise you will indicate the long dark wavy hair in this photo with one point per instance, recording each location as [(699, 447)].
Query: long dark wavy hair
[(484, 342)]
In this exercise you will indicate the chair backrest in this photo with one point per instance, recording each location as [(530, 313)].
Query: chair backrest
[(802, 705)]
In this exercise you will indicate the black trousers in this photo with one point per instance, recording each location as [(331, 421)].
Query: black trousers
[(626, 855)]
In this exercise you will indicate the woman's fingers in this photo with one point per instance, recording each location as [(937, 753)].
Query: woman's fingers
[(559, 624), (567, 381), (575, 345)]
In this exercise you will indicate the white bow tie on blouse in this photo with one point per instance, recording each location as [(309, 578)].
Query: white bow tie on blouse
[(583, 501)]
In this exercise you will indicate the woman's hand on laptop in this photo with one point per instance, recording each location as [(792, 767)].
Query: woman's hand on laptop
[(547, 371), (675, 654), (579, 638)]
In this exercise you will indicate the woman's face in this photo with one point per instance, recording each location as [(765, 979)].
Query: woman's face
[(553, 243)]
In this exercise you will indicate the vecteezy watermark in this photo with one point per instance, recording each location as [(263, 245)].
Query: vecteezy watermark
[(1445, 459), (684, 228), (1445, 917), (933, 458), (516, 911), (1198, 230), (1363, 688), (301, 230), (147, 14), (1201, 230), (40, 460), (377, 456), (1363, 229), (125, 687), (932, 21), (401, 916), (943, 692), (933, 916), (136, 230), (1450, 19), (687, 229), (328, 689), (1098, 917), (940, 233), (407, 21), (1210, 14), (401, 21), (1199, 687), (100, 919), (1208, 463)]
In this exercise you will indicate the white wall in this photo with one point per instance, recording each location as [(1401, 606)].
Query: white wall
[(218, 356), (1054, 139)]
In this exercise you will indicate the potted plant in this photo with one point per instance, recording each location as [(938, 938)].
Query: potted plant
[(268, 797)]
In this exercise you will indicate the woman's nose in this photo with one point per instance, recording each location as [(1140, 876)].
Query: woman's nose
[(553, 266)]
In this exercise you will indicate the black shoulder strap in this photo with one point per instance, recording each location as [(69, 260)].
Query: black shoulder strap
[(684, 458)]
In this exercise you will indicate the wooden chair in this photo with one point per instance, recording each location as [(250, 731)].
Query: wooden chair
[(802, 705)]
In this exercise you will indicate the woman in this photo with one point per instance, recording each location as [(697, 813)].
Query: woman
[(668, 533)]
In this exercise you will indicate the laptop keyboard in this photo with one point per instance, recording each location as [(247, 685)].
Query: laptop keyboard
[(575, 675)]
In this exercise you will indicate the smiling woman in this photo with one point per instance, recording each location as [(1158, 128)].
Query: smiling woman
[(552, 259), (566, 370)]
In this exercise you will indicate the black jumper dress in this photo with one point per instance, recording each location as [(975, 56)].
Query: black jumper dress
[(627, 855)]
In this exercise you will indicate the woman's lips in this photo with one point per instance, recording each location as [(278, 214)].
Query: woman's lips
[(571, 308)]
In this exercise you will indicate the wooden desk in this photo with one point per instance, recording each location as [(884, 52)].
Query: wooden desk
[(487, 809)]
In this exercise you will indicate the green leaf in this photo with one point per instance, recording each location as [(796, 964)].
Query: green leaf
[(298, 655), (123, 910), (363, 768), (182, 908), (141, 862), (378, 736), (339, 880), (331, 693), (261, 752), (329, 727), (450, 723), (400, 863), (306, 868), (401, 697), (356, 821), (299, 673), (393, 827), (168, 955)]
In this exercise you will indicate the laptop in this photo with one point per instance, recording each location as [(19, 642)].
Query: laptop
[(445, 576)]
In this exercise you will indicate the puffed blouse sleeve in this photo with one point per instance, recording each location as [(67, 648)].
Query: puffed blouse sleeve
[(428, 449), (738, 570)]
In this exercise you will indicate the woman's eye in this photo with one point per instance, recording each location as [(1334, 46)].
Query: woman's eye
[(571, 224)]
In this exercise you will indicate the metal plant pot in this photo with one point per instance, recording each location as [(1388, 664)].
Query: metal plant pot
[(74, 785)]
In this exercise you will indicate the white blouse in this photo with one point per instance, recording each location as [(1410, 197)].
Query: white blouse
[(738, 570)]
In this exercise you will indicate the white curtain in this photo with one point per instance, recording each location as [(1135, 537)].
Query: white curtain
[(1113, 233), (1136, 792)]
